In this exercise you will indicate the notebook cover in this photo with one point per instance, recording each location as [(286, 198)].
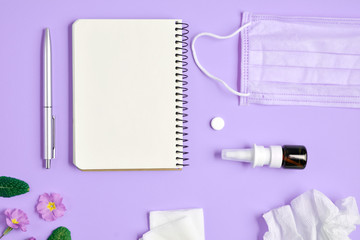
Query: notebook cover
[(127, 104)]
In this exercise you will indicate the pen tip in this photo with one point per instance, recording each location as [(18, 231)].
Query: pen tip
[(48, 163)]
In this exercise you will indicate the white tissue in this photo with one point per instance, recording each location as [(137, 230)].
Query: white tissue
[(313, 216), (176, 225)]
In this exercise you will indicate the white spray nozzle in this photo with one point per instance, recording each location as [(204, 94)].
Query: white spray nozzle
[(243, 155), (258, 155)]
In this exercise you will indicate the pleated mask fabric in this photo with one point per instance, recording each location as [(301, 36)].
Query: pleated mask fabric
[(311, 61)]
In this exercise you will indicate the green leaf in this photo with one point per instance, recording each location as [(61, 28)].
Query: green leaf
[(10, 187), (61, 233)]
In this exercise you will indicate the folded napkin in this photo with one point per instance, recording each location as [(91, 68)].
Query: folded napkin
[(313, 216), (187, 224)]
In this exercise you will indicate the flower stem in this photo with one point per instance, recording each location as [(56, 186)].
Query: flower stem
[(7, 230)]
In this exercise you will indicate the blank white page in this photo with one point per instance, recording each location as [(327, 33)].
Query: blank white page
[(124, 109)]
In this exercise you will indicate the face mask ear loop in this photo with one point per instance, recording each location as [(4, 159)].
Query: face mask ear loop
[(204, 70)]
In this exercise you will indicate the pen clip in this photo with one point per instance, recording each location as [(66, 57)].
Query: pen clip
[(53, 136)]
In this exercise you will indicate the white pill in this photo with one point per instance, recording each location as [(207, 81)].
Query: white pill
[(217, 123)]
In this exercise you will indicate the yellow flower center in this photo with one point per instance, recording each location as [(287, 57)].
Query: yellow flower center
[(51, 206), (14, 221)]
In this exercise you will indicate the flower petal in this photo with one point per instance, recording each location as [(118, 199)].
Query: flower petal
[(56, 198), (49, 216), (41, 207), (44, 198), (58, 213), (23, 228), (23, 220), (61, 207), (11, 224), (8, 212), (17, 213)]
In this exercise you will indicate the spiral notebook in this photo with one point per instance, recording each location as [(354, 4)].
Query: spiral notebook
[(129, 107)]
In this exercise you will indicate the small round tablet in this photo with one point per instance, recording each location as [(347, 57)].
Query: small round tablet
[(217, 123)]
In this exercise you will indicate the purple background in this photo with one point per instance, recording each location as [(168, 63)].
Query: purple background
[(115, 205)]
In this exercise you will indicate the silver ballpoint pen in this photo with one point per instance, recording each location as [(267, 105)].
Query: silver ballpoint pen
[(49, 119)]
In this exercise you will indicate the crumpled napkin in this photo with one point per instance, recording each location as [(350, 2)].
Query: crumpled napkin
[(187, 224), (313, 216)]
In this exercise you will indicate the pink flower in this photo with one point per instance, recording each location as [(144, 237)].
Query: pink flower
[(50, 207), (15, 218), (32, 238)]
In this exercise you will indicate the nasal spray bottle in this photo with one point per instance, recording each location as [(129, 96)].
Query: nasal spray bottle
[(293, 157)]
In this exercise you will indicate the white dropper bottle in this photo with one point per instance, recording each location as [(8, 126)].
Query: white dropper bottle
[(287, 156)]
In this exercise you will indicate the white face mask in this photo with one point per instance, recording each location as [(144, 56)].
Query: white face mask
[(297, 61)]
